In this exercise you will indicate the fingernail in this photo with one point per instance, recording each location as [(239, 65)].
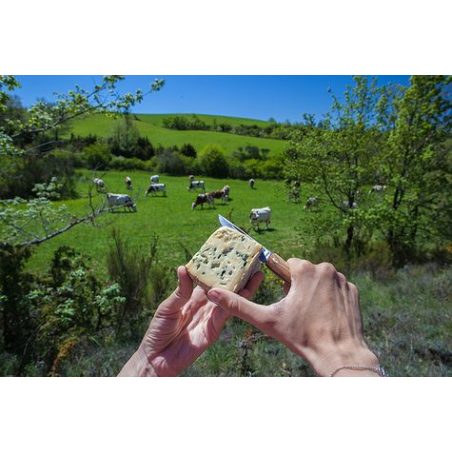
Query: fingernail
[(213, 296)]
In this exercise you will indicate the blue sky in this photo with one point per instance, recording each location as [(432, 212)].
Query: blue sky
[(259, 97)]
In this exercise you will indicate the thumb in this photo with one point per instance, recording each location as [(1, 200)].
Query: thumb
[(253, 313), (182, 293)]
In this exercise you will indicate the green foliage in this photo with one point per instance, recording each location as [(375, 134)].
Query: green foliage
[(172, 161), (188, 150), (143, 280), (416, 164), (97, 156), (184, 123), (43, 319), (19, 177), (391, 136), (213, 162)]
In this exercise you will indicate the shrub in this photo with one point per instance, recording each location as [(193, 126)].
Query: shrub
[(18, 178), (97, 156), (213, 162), (122, 163)]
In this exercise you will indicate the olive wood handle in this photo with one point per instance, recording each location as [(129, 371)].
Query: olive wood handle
[(279, 267)]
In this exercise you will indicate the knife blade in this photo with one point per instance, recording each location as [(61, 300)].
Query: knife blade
[(272, 260)]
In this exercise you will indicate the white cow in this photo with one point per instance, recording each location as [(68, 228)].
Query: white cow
[(311, 202), (155, 179), (99, 183), (128, 182), (116, 200), (195, 184), (377, 189), (226, 190), (154, 188), (260, 216)]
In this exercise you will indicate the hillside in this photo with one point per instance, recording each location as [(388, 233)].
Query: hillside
[(151, 127)]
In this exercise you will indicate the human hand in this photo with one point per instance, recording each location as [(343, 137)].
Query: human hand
[(319, 319), (184, 325)]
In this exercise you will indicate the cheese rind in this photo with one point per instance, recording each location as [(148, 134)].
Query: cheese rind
[(226, 261)]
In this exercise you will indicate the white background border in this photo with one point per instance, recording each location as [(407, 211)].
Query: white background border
[(234, 37)]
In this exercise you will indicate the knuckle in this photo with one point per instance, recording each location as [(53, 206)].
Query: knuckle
[(353, 289), (298, 266), (326, 268), (341, 277)]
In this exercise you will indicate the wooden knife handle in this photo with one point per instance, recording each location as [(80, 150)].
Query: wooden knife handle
[(279, 267)]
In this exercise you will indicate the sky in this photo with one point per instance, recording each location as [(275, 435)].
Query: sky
[(254, 96)]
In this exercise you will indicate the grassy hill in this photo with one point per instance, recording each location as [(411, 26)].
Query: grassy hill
[(151, 126)]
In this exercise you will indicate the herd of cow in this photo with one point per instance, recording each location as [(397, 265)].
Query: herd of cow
[(257, 216), (115, 200)]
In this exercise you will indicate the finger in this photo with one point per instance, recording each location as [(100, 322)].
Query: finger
[(183, 292), (252, 285), (300, 270), (253, 313)]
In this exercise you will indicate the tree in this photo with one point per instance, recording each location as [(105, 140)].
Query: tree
[(41, 119), (336, 156), (188, 150), (416, 163), (97, 156), (213, 162)]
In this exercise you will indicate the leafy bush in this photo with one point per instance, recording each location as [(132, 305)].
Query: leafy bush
[(142, 278), (184, 123), (18, 178), (97, 156), (213, 162), (44, 318), (122, 163)]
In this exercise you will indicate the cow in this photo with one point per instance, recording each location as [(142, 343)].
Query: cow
[(311, 202), (201, 199), (260, 216), (128, 182), (377, 189), (251, 182), (99, 183), (217, 194), (117, 200), (226, 190), (195, 184), (155, 179), (154, 188)]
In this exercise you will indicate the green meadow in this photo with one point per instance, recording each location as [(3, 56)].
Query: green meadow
[(151, 127), (171, 218)]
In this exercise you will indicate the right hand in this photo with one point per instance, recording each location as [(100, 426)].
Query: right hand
[(319, 319)]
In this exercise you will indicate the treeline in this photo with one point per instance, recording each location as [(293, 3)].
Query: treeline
[(275, 130)]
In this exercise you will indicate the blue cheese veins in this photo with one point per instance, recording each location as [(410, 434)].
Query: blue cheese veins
[(227, 260)]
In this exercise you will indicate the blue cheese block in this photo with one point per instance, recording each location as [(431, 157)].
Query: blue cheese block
[(226, 261)]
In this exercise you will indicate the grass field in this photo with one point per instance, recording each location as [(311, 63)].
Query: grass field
[(172, 219), (151, 127), (405, 316)]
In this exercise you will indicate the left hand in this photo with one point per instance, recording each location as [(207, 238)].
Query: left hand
[(183, 327)]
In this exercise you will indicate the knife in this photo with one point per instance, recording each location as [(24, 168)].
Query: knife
[(274, 262)]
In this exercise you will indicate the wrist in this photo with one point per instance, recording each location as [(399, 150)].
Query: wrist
[(138, 366), (353, 355)]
